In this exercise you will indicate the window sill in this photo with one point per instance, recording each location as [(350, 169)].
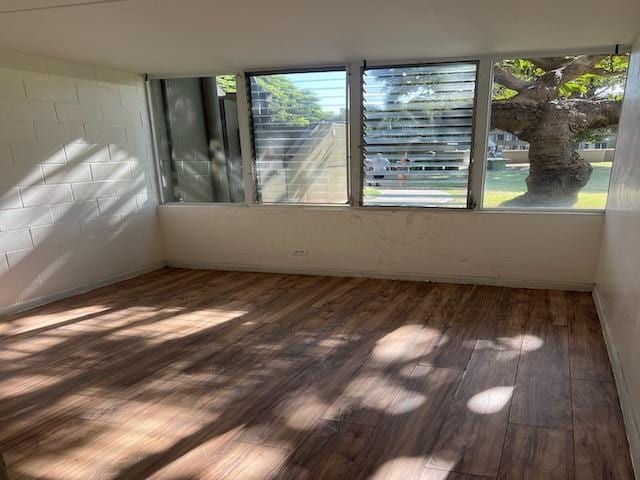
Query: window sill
[(430, 210)]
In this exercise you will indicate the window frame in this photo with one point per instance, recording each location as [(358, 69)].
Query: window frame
[(154, 139), (246, 87), (355, 152), (492, 59), (470, 204)]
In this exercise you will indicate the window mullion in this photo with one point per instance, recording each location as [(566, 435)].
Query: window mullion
[(155, 143), (355, 133), (246, 147), (481, 131)]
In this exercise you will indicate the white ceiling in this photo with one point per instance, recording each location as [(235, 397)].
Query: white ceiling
[(190, 36)]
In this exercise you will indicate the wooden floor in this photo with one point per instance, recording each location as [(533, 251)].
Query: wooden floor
[(184, 374)]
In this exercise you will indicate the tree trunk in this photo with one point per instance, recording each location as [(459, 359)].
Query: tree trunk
[(555, 186), (556, 171)]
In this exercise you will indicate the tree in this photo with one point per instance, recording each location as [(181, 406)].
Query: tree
[(289, 104), (227, 83), (552, 103)]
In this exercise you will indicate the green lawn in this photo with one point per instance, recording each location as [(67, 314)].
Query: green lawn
[(506, 184), (503, 185)]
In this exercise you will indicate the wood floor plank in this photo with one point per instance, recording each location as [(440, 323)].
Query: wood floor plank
[(540, 307), (367, 397), (520, 303), (414, 420), (284, 420), (469, 322), (434, 474), (542, 403), (328, 451), (589, 358), (558, 308), (237, 461), (601, 448), (80, 450), (472, 435), (443, 302), (542, 395), (329, 381), (535, 452), (3, 469), (183, 374), (508, 315)]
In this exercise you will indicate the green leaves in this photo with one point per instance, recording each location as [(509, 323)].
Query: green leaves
[(615, 63), (577, 87), (522, 68), (291, 105), (502, 93), (227, 83), (604, 81)]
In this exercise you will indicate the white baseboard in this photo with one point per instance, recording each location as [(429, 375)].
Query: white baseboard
[(29, 304), (386, 275), (626, 403)]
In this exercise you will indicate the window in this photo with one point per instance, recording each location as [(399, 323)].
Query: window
[(562, 113), (197, 139), (299, 123), (417, 129)]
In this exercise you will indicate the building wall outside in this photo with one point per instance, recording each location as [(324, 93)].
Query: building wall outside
[(322, 178)]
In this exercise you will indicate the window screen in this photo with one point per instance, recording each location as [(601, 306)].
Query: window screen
[(197, 139), (417, 129), (299, 125)]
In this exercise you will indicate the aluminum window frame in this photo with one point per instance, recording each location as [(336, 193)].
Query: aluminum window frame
[(471, 203), (355, 152), (154, 139), (247, 75), (602, 50)]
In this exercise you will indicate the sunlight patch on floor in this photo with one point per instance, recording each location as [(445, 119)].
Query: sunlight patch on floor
[(399, 468), (406, 402), (390, 348), (490, 401), (531, 343)]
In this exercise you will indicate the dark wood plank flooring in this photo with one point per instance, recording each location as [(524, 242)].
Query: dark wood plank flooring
[(185, 374)]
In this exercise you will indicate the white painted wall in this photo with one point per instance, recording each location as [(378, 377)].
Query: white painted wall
[(483, 247), (77, 195), (618, 282)]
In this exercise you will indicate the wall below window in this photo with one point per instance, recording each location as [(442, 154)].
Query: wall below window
[(518, 249), (617, 290), (77, 195)]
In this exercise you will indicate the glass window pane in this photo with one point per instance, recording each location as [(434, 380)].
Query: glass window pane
[(300, 137), (418, 124), (553, 131), (197, 139)]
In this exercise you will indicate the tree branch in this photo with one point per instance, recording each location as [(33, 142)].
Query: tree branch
[(547, 87), (597, 113), (606, 73), (508, 79), (550, 63), (513, 117)]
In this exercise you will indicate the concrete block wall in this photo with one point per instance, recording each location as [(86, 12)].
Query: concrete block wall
[(77, 184)]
